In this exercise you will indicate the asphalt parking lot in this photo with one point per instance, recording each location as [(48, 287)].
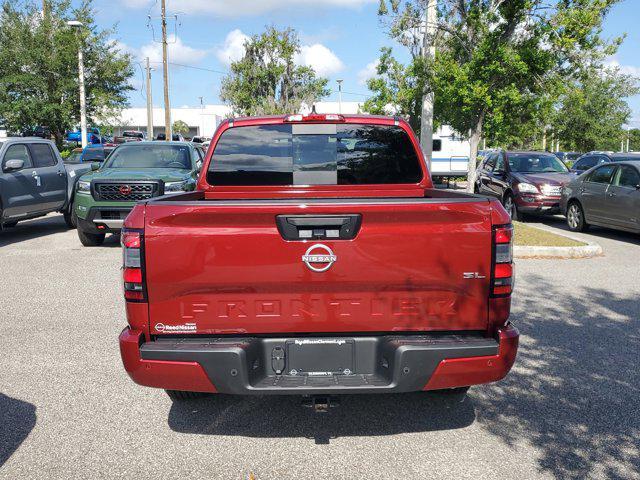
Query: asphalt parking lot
[(569, 410)]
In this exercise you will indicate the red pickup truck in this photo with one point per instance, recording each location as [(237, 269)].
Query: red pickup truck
[(316, 258)]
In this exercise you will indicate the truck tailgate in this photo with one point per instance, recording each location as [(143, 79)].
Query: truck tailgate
[(223, 267)]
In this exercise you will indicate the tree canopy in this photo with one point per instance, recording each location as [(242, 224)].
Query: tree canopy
[(266, 80), (180, 127), (500, 66), (39, 67), (593, 110)]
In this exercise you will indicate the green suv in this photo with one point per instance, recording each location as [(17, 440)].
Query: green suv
[(134, 171)]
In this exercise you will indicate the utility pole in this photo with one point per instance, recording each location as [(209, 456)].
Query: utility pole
[(339, 95), (149, 103), (83, 97), (428, 51), (628, 135), (165, 71)]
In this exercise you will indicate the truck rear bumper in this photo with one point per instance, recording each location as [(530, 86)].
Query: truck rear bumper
[(373, 364)]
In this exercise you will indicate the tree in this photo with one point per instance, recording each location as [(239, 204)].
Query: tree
[(499, 65), (593, 111), (397, 88), (39, 67), (180, 127), (267, 80), (634, 139)]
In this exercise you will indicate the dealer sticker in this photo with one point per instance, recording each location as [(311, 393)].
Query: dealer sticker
[(184, 328)]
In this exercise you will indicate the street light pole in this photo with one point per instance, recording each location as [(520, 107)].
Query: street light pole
[(149, 103), (83, 98), (339, 95)]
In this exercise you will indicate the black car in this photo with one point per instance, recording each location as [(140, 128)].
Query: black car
[(568, 157), (607, 195), (590, 160)]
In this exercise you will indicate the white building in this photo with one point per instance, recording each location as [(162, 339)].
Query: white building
[(204, 120)]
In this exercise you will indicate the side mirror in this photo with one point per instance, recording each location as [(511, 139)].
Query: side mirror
[(95, 166), (198, 165), (13, 165)]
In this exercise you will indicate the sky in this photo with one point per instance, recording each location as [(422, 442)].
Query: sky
[(341, 39)]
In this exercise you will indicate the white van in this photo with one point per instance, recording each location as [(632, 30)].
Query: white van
[(450, 154)]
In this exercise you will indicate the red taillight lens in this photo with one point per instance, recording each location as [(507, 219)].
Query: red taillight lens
[(504, 234), (132, 275), (503, 270), (502, 279), (133, 267), (131, 239)]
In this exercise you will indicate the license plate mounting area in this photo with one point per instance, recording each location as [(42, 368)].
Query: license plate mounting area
[(320, 356)]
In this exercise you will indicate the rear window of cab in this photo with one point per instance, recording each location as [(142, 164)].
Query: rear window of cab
[(314, 154)]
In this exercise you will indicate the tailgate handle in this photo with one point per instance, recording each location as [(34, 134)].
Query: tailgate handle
[(318, 227)]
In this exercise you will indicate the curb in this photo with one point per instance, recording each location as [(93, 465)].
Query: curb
[(591, 249)]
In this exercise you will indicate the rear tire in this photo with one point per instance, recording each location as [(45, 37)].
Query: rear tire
[(509, 204), (91, 239), (575, 218), (181, 396)]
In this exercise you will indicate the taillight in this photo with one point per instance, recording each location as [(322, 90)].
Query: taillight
[(133, 266), (503, 271)]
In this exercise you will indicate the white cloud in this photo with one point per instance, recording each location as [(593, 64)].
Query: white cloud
[(239, 8), (178, 52), (626, 69), (233, 47), (317, 56), (370, 71), (320, 58)]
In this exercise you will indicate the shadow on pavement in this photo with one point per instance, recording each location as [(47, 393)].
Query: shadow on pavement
[(575, 392), (30, 229), (42, 227), (596, 232), (358, 415), (17, 419)]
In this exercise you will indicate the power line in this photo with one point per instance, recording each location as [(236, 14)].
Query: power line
[(220, 72), (194, 67)]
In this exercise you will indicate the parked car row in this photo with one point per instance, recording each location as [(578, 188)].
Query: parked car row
[(607, 192), (591, 159), (602, 189), (93, 188)]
